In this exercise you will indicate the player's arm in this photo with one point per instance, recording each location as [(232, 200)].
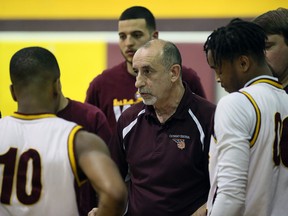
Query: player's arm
[(94, 160), (232, 119), (201, 211)]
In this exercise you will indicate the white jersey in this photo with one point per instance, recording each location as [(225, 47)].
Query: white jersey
[(246, 164), (36, 166)]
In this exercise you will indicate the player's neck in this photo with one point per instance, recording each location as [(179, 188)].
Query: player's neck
[(130, 68), (34, 106), (63, 103)]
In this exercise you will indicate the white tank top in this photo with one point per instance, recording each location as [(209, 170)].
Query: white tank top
[(36, 176)]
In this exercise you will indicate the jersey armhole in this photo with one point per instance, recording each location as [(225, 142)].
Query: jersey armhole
[(258, 118), (78, 174)]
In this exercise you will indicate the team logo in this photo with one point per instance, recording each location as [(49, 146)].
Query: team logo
[(180, 143)]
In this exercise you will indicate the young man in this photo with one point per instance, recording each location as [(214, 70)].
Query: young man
[(113, 91), (275, 24), (161, 145), (247, 149), (42, 154)]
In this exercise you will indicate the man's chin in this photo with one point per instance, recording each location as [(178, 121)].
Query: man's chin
[(149, 101)]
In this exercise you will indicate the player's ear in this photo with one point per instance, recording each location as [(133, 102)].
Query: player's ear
[(244, 63), (57, 87), (175, 71), (155, 35), (13, 93)]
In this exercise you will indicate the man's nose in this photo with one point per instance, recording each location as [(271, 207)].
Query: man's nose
[(139, 81)]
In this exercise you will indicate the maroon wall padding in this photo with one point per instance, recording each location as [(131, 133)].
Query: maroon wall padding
[(193, 56)]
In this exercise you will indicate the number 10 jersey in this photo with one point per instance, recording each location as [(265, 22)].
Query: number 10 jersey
[(36, 166)]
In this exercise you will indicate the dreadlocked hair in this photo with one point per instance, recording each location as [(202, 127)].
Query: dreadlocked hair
[(238, 38)]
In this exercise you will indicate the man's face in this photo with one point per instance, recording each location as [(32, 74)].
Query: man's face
[(133, 34), (227, 74), (277, 56), (153, 80)]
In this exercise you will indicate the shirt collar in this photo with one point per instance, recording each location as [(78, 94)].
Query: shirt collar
[(179, 114), (32, 116), (264, 79)]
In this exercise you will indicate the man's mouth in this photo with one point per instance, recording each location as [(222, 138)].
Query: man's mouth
[(130, 52)]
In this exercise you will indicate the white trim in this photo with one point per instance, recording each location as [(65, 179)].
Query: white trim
[(175, 37), (129, 127), (202, 135)]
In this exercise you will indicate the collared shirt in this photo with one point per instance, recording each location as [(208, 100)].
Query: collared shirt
[(168, 163)]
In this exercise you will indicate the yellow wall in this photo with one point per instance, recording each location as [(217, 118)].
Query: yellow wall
[(79, 63), (81, 60), (55, 9)]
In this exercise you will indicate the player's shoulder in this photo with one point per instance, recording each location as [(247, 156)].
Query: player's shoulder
[(5, 119), (108, 75), (234, 100)]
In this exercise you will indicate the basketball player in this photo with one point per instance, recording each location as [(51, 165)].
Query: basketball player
[(41, 154), (245, 153)]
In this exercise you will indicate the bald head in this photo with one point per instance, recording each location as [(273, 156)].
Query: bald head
[(164, 51)]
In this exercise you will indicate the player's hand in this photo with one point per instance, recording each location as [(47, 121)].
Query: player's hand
[(93, 212), (200, 211)]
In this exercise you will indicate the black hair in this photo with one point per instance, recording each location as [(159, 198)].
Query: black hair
[(139, 12), (33, 65), (171, 55), (274, 22), (237, 38)]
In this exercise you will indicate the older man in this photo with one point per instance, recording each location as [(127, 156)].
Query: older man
[(161, 145)]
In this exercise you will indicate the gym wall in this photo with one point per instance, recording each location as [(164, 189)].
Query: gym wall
[(83, 35)]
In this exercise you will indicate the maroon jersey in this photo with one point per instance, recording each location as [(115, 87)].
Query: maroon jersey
[(114, 90), (167, 164), (93, 120)]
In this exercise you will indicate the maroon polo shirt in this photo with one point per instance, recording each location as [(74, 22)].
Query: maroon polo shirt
[(114, 90), (93, 120), (168, 163)]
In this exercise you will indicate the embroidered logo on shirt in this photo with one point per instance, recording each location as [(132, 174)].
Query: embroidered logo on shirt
[(180, 143)]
